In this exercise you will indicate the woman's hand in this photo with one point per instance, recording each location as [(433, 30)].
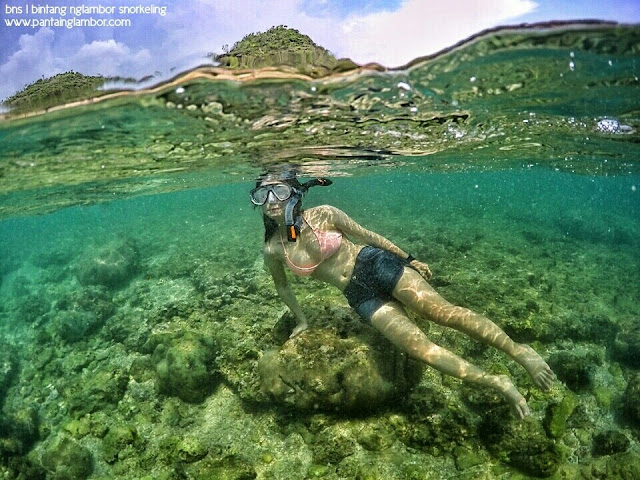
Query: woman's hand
[(422, 268)]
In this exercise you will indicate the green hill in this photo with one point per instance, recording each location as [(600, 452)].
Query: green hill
[(57, 90), (280, 46)]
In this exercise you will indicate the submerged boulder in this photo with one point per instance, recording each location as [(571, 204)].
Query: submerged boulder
[(631, 405), (185, 366), (66, 459), (8, 369), (520, 444), (111, 266), (320, 370), (626, 347)]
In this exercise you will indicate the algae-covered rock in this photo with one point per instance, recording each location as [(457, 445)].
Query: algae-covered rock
[(118, 439), (319, 370), (18, 432), (99, 389), (557, 415), (626, 347), (609, 443), (622, 466), (80, 313), (228, 467), (631, 405), (111, 266), (520, 444), (66, 459), (576, 368), (8, 368), (185, 366)]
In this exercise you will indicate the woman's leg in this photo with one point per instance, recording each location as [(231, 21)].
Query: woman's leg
[(413, 291), (391, 320)]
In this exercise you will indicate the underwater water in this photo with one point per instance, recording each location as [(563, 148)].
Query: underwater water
[(142, 338)]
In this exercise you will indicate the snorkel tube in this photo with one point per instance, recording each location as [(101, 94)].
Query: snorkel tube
[(291, 220)]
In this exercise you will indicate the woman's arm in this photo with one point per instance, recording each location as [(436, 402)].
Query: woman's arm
[(347, 225), (285, 292)]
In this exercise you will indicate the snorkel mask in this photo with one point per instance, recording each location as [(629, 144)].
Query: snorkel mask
[(292, 217)]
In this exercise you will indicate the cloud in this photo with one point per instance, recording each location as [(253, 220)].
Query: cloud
[(110, 58), (420, 28), (32, 60)]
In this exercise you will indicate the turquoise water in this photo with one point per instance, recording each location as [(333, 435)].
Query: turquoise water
[(134, 308)]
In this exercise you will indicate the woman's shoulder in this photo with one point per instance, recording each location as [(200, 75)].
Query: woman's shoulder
[(323, 210)]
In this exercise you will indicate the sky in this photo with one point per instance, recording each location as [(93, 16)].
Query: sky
[(165, 37)]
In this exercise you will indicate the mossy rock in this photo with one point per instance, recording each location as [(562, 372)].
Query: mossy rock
[(18, 432), (229, 467), (318, 370), (8, 369), (103, 388), (609, 443), (117, 439), (80, 313), (576, 369), (66, 459), (185, 366), (622, 466), (520, 444), (626, 347), (111, 266), (631, 405), (557, 415)]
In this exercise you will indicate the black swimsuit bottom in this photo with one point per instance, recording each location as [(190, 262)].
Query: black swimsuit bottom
[(375, 275)]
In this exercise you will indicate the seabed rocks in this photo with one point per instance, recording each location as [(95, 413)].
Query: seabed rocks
[(318, 370)]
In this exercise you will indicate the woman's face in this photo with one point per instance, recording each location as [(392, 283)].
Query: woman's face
[(273, 207)]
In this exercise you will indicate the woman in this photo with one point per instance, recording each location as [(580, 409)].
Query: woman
[(379, 280)]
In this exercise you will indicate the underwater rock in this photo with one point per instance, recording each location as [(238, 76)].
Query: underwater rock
[(185, 366), (8, 368), (32, 307), (81, 313), (110, 266), (228, 467), (117, 439), (18, 432), (521, 444), (576, 368), (623, 466), (320, 370), (66, 459), (631, 405), (555, 421), (610, 442), (626, 347), (99, 389)]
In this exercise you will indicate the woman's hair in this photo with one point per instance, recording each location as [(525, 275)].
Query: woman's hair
[(289, 177)]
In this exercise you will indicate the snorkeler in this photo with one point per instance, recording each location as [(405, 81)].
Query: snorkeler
[(379, 281)]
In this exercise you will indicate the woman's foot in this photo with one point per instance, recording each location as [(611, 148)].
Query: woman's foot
[(301, 327), (511, 394), (536, 367)]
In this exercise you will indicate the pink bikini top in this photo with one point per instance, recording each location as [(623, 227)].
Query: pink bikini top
[(329, 242)]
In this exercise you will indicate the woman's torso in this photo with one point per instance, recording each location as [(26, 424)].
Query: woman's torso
[(316, 249)]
